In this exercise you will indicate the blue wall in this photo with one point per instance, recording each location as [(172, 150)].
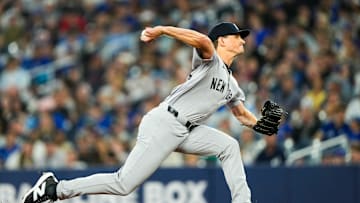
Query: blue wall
[(268, 185)]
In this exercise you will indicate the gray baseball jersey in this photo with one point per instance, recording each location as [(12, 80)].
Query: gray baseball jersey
[(209, 86), (161, 132)]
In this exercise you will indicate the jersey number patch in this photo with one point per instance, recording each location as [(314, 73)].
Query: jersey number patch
[(229, 95)]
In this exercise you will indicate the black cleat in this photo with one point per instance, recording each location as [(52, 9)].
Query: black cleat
[(43, 190)]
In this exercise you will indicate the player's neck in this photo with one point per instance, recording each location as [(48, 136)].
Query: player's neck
[(227, 56), (227, 59)]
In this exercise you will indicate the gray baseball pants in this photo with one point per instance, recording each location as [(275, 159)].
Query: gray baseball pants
[(160, 133)]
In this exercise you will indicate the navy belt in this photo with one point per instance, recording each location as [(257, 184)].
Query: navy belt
[(190, 126)]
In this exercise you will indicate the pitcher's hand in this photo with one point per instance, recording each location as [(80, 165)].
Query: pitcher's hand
[(150, 33)]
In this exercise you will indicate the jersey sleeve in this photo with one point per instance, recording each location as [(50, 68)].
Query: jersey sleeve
[(238, 96), (198, 61)]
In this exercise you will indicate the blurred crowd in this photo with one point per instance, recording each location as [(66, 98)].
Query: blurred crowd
[(75, 80)]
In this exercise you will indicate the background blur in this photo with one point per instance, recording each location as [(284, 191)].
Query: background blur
[(75, 79)]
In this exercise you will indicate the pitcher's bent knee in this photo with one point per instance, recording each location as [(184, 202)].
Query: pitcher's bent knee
[(123, 186), (231, 148)]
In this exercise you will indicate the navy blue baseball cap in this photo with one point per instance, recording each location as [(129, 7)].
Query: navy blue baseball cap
[(226, 28)]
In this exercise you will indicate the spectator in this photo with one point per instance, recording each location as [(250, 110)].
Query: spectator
[(13, 112), (42, 53), (94, 73), (46, 127), (55, 158), (118, 150), (250, 147), (22, 159), (334, 157), (304, 125), (73, 162), (14, 76), (316, 94), (287, 95), (272, 155), (355, 153), (336, 125), (10, 147), (13, 24), (83, 100), (86, 148), (355, 130), (113, 91), (71, 19), (352, 109)]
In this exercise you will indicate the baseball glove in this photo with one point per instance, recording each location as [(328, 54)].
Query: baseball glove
[(269, 122)]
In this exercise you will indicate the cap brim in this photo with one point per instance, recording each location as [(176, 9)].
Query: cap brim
[(244, 33)]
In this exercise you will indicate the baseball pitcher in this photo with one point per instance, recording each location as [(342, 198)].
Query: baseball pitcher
[(177, 124)]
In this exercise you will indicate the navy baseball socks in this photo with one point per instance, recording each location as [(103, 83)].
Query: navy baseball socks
[(43, 190)]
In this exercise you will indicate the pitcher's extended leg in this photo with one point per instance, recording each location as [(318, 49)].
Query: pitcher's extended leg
[(140, 164), (156, 140)]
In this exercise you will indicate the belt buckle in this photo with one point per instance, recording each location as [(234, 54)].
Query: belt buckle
[(190, 126), (173, 111)]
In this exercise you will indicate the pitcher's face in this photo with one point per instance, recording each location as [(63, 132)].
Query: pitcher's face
[(235, 44)]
